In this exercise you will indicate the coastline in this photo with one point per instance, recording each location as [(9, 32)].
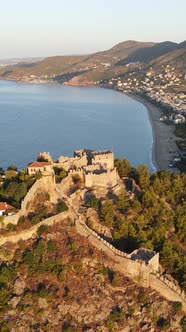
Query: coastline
[(164, 140)]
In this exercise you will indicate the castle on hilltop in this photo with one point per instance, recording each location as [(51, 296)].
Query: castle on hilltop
[(95, 168)]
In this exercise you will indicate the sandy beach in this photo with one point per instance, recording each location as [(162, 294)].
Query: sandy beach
[(164, 139)]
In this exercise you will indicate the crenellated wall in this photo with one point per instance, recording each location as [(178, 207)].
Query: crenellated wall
[(103, 158), (167, 288), (71, 162), (142, 265), (97, 166), (98, 178), (145, 273), (137, 268)]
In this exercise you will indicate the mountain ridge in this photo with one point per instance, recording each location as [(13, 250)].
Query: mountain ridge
[(100, 65)]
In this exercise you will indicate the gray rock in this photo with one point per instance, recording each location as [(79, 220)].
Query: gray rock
[(42, 303), (19, 286)]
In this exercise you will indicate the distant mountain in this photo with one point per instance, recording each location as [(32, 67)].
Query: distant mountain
[(183, 44), (14, 61), (87, 69), (125, 48), (176, 58), (150, 53)]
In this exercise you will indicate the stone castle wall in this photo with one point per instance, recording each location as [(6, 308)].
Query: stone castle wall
[(105, 179), (10, 219), (78, 171), (154, 262), (147, 274), (104, 159), (144, 272), (46, 183), (28, 234), (68, 163), (137, 269), (167, 289), (94, 161), (27, 199)]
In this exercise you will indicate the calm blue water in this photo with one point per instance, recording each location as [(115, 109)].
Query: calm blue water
[(61, 119)]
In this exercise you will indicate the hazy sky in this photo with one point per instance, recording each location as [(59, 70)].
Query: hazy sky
[(51, 27)]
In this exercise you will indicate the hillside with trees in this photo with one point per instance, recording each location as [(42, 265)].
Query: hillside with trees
[(151, 216), (58, 281)]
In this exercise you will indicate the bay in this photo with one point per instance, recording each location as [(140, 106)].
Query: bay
[(61, 119)]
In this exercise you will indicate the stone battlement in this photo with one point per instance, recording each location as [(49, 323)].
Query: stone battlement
[(147, 258), (143, 254), (142, 265), (95, 167), (102, 153)]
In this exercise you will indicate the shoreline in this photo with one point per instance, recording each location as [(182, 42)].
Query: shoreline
[(164, 140)]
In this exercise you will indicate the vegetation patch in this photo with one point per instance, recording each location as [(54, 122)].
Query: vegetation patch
[(15, 186)]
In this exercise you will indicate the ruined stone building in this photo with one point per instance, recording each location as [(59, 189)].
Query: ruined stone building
[(96, 168)]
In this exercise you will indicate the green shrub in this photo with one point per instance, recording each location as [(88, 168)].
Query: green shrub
[(4, 298), (60, 173), (60, 206), (28, 258), (12, 167), (183, 323), (51, 246), (53, 265), (103, 270), (116, 280), (163, 324), (176, 307), (43, 229), (116, 316), (72, 245), (42, 291), (21, 221), (10, 226), (6, 275), (93, 202), (131, 310)]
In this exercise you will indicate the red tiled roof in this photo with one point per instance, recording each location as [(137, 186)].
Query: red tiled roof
[(40, 164), (5, 206)]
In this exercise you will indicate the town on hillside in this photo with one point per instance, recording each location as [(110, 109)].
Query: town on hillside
[(156, 86)]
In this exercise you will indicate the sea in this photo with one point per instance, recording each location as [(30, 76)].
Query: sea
[(60, 119)]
